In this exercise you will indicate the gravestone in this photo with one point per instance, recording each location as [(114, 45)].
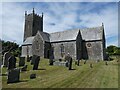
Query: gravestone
[(24, 68), (32, 76), (5, 58), (33, 59), (91, 66), (13, 75), (106, 63), (70, 63), (50, 61), (21, 61), (36, 62), (11, 62), (85, 61), (28, 58)]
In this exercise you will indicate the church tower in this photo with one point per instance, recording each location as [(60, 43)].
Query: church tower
[(33, 23)]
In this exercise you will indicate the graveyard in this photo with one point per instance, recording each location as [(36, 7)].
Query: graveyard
[(89, 74)]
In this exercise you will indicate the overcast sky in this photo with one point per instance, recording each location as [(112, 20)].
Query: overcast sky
[(60, 16)]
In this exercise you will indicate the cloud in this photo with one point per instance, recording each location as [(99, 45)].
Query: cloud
[(60, 16)]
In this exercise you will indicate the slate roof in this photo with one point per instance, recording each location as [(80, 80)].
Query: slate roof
[(90, 34), (45, 36), (64, 35), (28, 40), (87, 34)]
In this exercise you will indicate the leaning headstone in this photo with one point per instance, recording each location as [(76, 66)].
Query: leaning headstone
[(13, 75), (5, 58), (21, 61), (36, 63), (32, 76), (11, 62), (24, 68)]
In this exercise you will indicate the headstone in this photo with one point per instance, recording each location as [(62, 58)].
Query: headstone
[(33, 59), (50, 61), (78, 62), (11, 62), (28, 58), (91, 66), (24, 68), (70, 63), (106, 63), (13, 75), (85, 62), (21, 61), (32, 76), (68, 58), (5, 58), (36, 63)]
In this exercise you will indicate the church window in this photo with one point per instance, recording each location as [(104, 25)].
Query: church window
[(62, 48), (37, 45), (88, 45)]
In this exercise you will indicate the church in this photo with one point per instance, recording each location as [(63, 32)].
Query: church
[(88, 43)]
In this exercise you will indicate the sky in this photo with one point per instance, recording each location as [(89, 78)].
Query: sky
[(60, 16)]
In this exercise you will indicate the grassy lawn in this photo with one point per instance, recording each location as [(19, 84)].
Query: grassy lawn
[(100, 76)]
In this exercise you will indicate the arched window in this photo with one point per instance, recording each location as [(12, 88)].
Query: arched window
[(62, 48)]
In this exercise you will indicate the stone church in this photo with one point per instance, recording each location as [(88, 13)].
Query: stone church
[(88, 43)]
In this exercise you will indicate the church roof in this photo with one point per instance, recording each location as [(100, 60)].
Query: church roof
[(88, 34), (45, 36), (28, 40), (64, 35)]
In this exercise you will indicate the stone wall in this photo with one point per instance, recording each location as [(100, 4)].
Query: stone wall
[(93, 50), (38, 46), (26, 50), (69, 47)]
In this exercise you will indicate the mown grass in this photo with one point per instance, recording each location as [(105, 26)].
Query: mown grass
[(100, 76)]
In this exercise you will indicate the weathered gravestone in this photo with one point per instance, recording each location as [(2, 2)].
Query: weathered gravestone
[(24, 68), (28, 58), (91, 66), (32, 76), (21, 61), (36, 62), (13, 75), (33, 59), (85, 61), (5, 58), (68, 58), (11, 62), (106, 63)]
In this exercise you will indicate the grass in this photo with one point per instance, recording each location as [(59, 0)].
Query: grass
[(100, 76)]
